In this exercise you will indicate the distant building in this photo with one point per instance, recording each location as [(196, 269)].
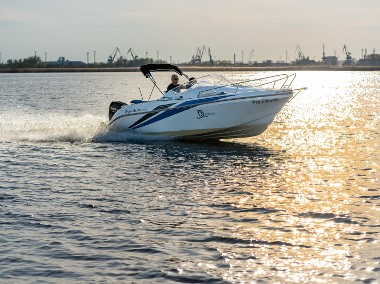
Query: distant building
[(370, 60), (305, 62), (280, 63), (62, 62), (330, 60), (349, 62)]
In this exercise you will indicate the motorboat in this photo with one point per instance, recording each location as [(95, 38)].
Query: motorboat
[(205, 108)]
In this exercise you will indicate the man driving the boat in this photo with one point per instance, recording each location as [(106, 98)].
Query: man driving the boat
[(174, 82)]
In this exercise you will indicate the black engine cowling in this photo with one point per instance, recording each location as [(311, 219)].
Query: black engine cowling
[(114, 107)]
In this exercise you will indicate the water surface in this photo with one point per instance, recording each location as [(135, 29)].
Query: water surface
[(299, 203)]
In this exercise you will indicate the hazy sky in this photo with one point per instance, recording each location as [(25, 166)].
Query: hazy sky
[(176, 28)]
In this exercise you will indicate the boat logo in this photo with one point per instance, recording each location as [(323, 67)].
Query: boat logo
[(202, 114)]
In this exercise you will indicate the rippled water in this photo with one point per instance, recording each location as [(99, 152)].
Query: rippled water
[(300, 203)]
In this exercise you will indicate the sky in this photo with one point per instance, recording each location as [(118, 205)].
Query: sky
[(173, 30)]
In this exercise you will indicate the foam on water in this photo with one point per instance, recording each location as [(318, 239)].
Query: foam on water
[(49, 127), (127, 136), (55, 127)]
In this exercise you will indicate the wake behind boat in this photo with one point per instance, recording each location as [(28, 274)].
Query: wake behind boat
[(205, 108)]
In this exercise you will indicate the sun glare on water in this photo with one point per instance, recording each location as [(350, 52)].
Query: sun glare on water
[(317, 136)]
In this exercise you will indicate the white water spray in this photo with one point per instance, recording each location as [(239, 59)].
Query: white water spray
[(20, 126), (49, 127)]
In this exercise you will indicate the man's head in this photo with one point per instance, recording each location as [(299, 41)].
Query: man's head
[(175, 79)]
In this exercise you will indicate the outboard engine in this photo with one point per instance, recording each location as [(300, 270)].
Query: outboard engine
[(114, 107)]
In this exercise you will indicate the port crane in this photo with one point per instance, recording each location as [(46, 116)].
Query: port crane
[(299, 52), (112, 56), (197, 57), (250, 57), (348, 54), (302, 59), (348, 60), (133, 54)]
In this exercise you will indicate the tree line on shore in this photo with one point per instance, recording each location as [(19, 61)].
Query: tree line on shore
[(30, 62), (36, 62)]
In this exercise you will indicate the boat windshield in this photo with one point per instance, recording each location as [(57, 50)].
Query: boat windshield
[(201, 82)]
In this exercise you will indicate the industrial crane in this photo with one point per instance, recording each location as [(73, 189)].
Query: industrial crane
[(250, 57), (348, 54), (197, 57), (133, 54), (111, 58), (300, 55), (302, 59)]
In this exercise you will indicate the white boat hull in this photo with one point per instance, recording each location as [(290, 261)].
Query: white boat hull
[(214, 117)]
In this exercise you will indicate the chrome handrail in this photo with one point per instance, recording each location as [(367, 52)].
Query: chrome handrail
[(280, 77)]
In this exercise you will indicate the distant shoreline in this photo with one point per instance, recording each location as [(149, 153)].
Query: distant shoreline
[(193, 69)]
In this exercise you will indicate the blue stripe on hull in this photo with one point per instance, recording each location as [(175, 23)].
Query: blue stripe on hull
[(178, 109)]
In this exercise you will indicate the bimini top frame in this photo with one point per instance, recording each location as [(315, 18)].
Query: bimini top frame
[(148, 68)]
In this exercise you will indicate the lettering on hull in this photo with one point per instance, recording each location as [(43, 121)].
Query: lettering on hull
[(265, 101)]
